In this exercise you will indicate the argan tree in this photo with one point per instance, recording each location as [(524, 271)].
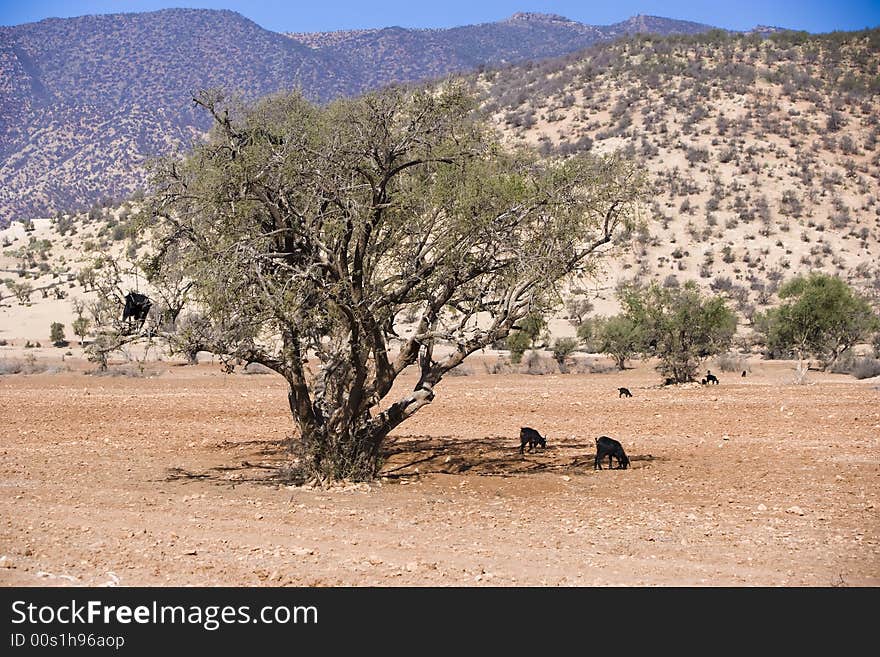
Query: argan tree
[(679, 326), (56, 334), (619, 336), (819, 316), (308, 232), (81, 328), (525, 334)]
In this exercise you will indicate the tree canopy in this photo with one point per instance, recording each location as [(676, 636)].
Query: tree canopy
[(680, 326), (306, 232), (819, 316), (619, 336)]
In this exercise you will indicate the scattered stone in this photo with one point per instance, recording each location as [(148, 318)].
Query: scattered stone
[(795, 510), (6, 562), (761, 507)]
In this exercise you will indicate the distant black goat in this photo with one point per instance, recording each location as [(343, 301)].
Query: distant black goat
[(609, 447), (744, 373), (624, 392), (137, 306), (531, 437), (711, 378)]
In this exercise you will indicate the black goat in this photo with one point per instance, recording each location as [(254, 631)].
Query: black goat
[(531, 437), (711, 378), (137, 306), (609, 447), (624, 392)]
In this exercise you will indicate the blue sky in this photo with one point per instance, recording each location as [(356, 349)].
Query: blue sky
[(295, 16)]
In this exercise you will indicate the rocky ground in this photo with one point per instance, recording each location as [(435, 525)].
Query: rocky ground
[(177, 479)]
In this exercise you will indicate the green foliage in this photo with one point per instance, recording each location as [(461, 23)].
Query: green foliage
[(819, 316), (517, 343), (22, 290), (525, 335), (619, 336), (306, 230), (679, 326), (56, 334), (81, 327), (563, 348)]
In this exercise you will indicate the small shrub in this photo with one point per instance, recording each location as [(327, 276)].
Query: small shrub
[(56, 334), (731, 362), (27, 365), (845, 363), (500, 366), (130, 371), (866, 368), (563, 348), (10, 366), (255, 368), (537, 364)]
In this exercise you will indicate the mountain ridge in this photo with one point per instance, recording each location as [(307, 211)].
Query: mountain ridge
[(85, 101)]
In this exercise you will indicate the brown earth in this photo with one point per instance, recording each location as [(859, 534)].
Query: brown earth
[(177, 480)]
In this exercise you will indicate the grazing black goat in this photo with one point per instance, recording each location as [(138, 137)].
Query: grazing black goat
[(609, 447), (624, 392), (530, 437)]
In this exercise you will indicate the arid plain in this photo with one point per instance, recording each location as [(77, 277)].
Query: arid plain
[(178, 479)]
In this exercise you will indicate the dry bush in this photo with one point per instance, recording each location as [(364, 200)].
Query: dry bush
[(461, 370), (866, 368), (129, 371), (732, 362), (255, 368), (535, 363), (592, 366), (500, 366), (27, 365)]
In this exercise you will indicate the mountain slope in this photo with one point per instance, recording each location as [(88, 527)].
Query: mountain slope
[(764, 153), (764, 156), (85, 101)]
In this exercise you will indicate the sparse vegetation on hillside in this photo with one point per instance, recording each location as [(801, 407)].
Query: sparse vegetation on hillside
[(85, 101), (763, 150)]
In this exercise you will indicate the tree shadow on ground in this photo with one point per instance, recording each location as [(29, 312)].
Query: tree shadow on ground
[(269, 462), (492, 456)]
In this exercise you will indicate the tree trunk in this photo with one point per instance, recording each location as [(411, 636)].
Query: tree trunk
[(353, 454), (334, 451), (802, 368)]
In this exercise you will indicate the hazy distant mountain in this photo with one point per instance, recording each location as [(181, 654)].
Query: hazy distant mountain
[(83, 101)]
